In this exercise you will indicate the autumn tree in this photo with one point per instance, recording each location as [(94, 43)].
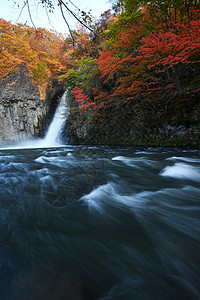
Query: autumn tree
[(138, 62), (41, 50)]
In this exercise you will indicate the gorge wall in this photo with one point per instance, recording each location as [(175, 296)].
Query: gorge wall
[(139, 123), (23, 114)]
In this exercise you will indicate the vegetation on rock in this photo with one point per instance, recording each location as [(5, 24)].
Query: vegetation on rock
[(144, 78), (137, 76), (41, 50)]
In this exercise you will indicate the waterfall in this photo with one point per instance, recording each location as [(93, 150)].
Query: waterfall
[(53, 135)]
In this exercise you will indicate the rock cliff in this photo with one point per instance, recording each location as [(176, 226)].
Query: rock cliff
[(138, 125), (23, 114)]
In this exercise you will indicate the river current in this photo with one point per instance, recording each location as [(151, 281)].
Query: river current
[(100, 223)]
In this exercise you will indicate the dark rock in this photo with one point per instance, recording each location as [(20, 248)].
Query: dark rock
[(23, 114)]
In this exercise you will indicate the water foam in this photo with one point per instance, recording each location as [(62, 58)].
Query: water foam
[(186, 159), (109, 194), (94, 198), (133, 161), (53, 135), (181, 171)]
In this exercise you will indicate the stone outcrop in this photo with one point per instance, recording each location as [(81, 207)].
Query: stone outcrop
[(23, 114), (138, 127)]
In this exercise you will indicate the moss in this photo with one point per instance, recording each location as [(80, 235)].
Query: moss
[(195, 80), (151, 140)]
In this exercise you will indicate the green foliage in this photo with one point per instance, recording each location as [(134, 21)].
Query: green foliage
[(40, 71), (86, 76)]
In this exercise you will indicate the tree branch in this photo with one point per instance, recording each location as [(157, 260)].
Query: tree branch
[(21, 12), (30, 16), (74, 15), (74, 5), (71, 34)]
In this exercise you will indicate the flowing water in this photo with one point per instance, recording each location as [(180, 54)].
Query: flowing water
[(88, 223), (99, 223), (53, 137)]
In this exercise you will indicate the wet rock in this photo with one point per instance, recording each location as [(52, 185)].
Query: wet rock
[(23, 114)]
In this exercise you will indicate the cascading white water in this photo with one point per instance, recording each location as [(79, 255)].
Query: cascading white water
[(52, 137)]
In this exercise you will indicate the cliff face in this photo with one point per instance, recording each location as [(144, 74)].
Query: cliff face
[(139, 124), (23, 114)]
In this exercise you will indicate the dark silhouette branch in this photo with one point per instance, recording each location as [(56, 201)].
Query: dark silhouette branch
[(21, 12), (75, 16), (48, 5), (30, 16), (71, 34)]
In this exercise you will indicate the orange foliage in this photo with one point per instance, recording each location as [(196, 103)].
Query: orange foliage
[(41, 50)]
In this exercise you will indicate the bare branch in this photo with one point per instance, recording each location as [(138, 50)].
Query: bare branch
[(48, 4), (21, 12), (71, 34), (75, 16), (74, 5), (47, 13), (30, 16)]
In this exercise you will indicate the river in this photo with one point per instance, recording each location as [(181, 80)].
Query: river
[(101, 223), (98, 223)]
